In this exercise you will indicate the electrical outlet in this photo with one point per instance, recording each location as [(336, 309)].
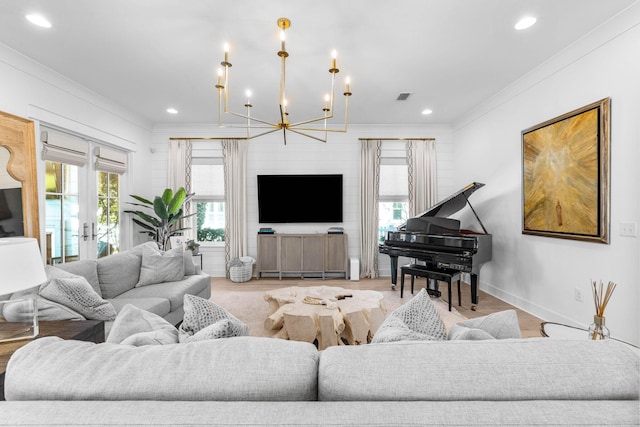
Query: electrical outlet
[(629, 229), (577, 293)]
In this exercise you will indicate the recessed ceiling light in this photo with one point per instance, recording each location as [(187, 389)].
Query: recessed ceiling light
[(172, 111), (525, 23), (427, 112), (38, 20)]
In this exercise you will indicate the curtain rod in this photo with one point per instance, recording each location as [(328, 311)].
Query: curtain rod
[(206, 139), (396, 139)]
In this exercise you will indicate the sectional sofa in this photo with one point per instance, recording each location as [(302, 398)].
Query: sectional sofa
[(143, 276), (266, 381)]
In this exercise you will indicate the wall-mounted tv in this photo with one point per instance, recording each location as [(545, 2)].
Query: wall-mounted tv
[(299, 198)]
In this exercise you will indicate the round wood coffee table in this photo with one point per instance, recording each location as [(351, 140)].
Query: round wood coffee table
[(325, 315)]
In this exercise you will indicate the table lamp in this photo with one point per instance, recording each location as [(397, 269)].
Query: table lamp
[(21, 268)]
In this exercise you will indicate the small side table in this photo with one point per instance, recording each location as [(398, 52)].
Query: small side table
[(83, 330), (199, 255)]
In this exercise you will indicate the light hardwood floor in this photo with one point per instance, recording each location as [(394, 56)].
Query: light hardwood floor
[(487, 304)]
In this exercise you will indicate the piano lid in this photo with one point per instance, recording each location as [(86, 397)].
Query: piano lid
[(453, 204)]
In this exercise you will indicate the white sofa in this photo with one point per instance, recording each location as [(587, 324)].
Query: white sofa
[(267, 381)]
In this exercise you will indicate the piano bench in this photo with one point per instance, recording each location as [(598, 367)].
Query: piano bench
[(440, 274)]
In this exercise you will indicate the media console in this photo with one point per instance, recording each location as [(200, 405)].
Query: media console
[(302, 254)]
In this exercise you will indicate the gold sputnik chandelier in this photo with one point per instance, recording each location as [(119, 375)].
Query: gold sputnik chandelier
[(283, 123)]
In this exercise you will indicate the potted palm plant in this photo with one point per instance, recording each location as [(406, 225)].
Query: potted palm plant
[(161, 219)]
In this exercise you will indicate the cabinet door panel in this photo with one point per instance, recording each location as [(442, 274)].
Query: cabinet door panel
[(291, 253), (336, 254), (313, 253), (267, 253)]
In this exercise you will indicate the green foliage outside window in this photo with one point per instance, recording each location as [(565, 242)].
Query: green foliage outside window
[(206, 234)]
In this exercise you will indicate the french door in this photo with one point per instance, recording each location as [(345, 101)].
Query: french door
[(82, 211)]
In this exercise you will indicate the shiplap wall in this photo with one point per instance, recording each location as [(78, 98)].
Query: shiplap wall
[(340, 155)]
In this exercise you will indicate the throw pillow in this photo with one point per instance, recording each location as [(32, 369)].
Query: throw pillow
[(459, 332), (134, 326), (158, 267), (500, 325), (205, 320), (77, 294), (416, 320)]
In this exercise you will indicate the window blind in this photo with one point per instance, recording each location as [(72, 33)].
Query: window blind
[(108, 160), (64, 148)]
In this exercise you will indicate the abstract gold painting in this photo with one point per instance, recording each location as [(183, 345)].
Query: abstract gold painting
[(565, 181)]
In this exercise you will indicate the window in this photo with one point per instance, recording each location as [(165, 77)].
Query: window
[(207, 182), (393, 205)]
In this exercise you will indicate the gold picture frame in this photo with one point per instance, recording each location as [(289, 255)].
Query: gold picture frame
[(565, 175)]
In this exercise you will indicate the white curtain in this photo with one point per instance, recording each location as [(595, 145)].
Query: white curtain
[(180, 176), (423, 180), (234, 153), (369, 191)]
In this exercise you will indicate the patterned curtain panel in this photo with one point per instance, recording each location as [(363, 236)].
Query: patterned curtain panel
[(180, 176), (234, 153), (423, 175), (369, 191)]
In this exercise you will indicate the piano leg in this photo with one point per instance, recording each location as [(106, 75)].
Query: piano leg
[(474, 290), (394, 270)]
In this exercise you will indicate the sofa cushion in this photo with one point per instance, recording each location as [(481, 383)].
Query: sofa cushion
[(119, 272), (134, 326), (240, 369), (416, 320), (500, 325), (158, 267), (205, 320), (508, 369), (173, 291), (77, 294), (85, 268), (156, 305)]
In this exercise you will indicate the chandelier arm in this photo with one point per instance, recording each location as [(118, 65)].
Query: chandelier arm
[(308, 136), (244, 127), (318, 130), (317, 119), (264, 133), (251, 118)]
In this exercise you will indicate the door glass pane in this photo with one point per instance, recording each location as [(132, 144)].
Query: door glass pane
[(108, 215), (61, 213), (71, 223), (53, 183), (53, 225)]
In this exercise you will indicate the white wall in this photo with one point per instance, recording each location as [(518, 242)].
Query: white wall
[(541, 274), (339, 155)]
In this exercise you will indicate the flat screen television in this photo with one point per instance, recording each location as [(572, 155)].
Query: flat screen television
[(299, 198)]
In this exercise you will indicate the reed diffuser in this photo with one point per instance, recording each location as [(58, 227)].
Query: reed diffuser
[(601, 296)]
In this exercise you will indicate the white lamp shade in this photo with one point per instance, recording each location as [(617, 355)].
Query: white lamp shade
[(21, 265)]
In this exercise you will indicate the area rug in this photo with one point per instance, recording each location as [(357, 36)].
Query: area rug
[(252, 309)]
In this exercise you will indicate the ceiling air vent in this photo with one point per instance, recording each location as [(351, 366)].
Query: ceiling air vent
[(402, 96)]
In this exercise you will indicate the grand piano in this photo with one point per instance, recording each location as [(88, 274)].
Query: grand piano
[(439, 241)]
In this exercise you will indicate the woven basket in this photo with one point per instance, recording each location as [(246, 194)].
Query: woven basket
[(242, 273)]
